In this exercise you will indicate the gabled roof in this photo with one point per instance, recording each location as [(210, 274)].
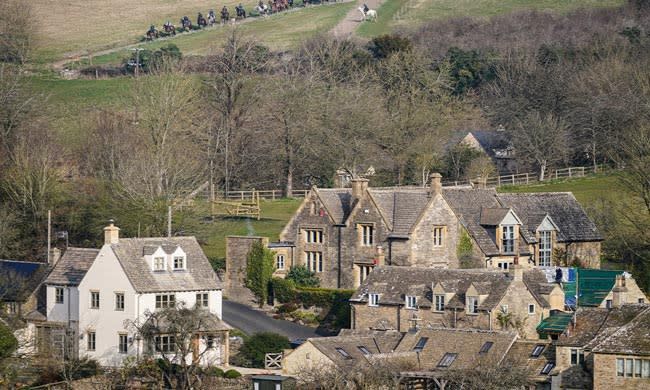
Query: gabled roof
[(18, 279), (465, 343), (337, 201), (374, 343), (491, 141), (493, 216), (198, 276), (520, 353), (562, 207), (632, 338), (401, 206), (393, 283), (72, 266)]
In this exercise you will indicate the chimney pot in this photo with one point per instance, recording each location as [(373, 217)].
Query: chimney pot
[(380, 257), (435, 184), (111, 233), (359, 187)]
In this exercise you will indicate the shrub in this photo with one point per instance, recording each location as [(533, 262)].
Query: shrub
[(303, 277), (260, 264), (8, 343), (385, 45), (262, 343), (232, 374), (215, 372), (218, 263), (284, 290), (150, 60), (287, 308)]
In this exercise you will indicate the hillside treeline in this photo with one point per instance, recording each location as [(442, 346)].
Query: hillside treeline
[(569, 90)]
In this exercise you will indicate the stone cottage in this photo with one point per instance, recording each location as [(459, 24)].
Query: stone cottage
[(403, 298), (342, 234)]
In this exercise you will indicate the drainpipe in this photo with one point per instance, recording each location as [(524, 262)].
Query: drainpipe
[(137, 318), (490, 318), (69, 324), (338, 273), (399, 319), (390, 252), (454, 317)]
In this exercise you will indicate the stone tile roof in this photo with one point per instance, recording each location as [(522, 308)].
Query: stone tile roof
[(491, 141), (562, 207), (375, 343), (632, 338), (466, 343), (198, 276), (594, 324), (401, 207), (492, 216), (520, 355), (393, 283), (18, 279), (337, 201), (72, 266)]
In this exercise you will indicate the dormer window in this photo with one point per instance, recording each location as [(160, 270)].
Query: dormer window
[(411, 302), (179, 263), (472, 305), (508, 239), (158, 263), (545, 248)]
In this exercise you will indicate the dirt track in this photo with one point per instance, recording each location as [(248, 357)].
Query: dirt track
[(353, 19)]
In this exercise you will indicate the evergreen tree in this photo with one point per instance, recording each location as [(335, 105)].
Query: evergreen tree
[(259, 269)]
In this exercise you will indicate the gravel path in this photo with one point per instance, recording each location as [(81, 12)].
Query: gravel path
[(353, 19)]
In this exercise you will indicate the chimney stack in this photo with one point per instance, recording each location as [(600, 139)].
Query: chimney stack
[(619, 292), (380, 258), (517, 272), (359, 186), (55, 255), (111, 233), (435, 184)]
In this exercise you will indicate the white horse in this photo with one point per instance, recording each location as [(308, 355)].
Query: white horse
[(370, 15), (263, 10)]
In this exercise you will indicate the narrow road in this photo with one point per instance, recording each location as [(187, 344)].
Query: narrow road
[(353, 19), (252, 321)]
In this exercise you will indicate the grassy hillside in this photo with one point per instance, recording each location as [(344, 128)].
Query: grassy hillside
[(407, 13)]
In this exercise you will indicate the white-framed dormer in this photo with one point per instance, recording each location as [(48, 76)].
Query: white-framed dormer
[(508, 233), (178, 260), (546, 235), (439, 297)]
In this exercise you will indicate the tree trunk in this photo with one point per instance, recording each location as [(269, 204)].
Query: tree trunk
[(288, 168), (542, 170)]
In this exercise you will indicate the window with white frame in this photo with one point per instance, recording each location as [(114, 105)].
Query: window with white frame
[(58, 295), (504, 309), (94, 299), (472, 305), (165, 300), (119, 301), (577, 356), (202, 300), (314, 261), (159, 264), (411, 302), (179, 263), (279, 262), (92, 340), (531, 308), (545, 248), (438, 233), (313, 236), (439, 304), (123, 343), (165, 344), (373, 299), (633, 368), (364, 271), (504, 265), (508, 239), (343, 353), (367, 235)]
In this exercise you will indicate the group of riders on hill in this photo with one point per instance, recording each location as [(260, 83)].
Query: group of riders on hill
[(272, 6)]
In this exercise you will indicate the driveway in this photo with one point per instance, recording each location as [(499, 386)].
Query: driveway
[(252, 321)]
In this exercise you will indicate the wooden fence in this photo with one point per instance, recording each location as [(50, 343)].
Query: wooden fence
[(529, 178)]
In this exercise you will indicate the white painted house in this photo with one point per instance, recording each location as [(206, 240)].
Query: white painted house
[(126, 281)]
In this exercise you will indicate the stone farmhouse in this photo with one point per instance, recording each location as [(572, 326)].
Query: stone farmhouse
[(92, 295), (497, 146), (402, 298), (19, 281), (343, 233)]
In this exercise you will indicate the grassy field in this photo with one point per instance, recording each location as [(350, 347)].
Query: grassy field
[(406, 13)]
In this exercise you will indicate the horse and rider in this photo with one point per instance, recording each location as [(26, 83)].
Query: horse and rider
[(152, 33), (225, 15), (241, 12), (212, 17), (186, 23), (201, 21), (169, 28)]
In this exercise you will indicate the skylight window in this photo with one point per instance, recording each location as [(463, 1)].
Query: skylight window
[(447, 359), (343, 353), (547, 368), (539, 348), (421, 343), (363, 350), (486, 347)]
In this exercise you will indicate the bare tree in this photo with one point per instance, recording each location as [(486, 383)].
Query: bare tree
[(17, 31)]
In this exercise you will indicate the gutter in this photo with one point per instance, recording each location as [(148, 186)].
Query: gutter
[(338, 272)]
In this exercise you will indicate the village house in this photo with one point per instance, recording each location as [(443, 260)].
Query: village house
[(95, 294), (403, 298), (19, 282), (496, 145), (604, 348), (342, 234)]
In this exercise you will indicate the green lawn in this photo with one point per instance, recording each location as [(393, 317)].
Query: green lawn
[(406, 13), (587, 190), (212, 234)]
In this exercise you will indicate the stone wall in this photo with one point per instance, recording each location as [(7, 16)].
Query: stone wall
[(517, 298), (587, 252), (605, 374), (304, 358), (237, 248), (423, 251)]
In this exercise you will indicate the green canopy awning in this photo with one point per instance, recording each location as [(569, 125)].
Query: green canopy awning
[(555, 324)]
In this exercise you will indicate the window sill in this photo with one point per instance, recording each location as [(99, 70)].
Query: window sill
[(438, 311), (472, 314), (411, 308), (373, 305)]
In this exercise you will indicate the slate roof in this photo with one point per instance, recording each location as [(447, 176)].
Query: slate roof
[(18, 279), (466, 343), (520, 355), (198, 276), (632, 338), (595, 324), (393, 283), (375, 343), (562, 207), (491, 141), (72, 266), (479, 210)]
